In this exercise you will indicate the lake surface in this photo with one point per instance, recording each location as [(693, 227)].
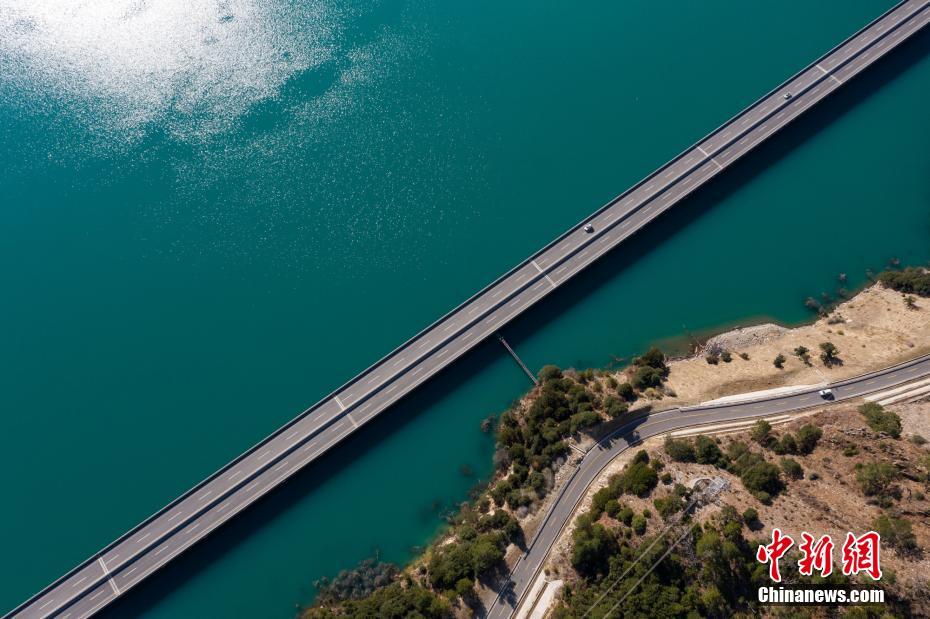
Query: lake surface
[(215, 213)]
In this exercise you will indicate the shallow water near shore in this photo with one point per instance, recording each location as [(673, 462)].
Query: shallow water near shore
[(213, 217)]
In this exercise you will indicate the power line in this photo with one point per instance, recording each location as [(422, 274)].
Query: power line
[(715, 486)]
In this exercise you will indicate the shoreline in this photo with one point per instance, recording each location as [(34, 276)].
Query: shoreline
[(691, 379)]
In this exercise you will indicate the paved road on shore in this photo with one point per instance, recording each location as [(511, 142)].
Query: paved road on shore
[(130, 559), (657, 424)]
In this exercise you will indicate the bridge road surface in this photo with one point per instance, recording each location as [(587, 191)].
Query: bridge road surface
[(527, 568), (150, 545)]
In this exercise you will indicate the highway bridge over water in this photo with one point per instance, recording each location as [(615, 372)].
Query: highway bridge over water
[(126, 562)]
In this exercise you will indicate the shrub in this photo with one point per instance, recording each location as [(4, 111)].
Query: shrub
[(639, 524), (638, 479), (712, 358), (500, 491), (593, 547), (612, 508), (791, 468), (762, 477), (761, 432), (802, 353), (549, 373), (615, 407), (503, 522), (911, 280), (680, 450), (625, 515), (611, 382), (896, 531), (625, 391), (917, 439), (750, 516), (829, 353), (359, 582), (881, 420), (779, 361), (599, 502), (653, 358), (744, 356), (706, 450), (413, 600), (808, 436), (726, 356), (787, 444), (666, 478), (582, 420), (647, 376), (669, 505), (876, 478)]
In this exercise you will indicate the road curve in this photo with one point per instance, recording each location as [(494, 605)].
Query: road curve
[(153, 543), (598, 457)]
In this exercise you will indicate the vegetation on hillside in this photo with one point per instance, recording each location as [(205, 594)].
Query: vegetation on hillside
[(762, 478), (712, 572), (532, 443), (912, 280)]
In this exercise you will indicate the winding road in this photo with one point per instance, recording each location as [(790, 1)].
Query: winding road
[(598, 457)]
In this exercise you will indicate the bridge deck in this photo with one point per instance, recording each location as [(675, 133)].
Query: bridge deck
[(153, 543)]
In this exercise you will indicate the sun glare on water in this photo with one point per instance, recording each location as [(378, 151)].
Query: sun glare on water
[(193, 65)]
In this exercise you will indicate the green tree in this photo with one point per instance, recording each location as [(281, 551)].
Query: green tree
[(615, 407), (646, 376), (592, 547), (653, 358), (486, 553), (679, 450), (829, 353), (911, 280), (779, 361), (761, 432), (639, 479), (550, 372), (625, 391), (804, 354), (762, 476), (807, 437), (791, 468), (391, 602), (706, 450)]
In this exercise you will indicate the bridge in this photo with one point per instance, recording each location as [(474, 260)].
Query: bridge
[(131, 558)]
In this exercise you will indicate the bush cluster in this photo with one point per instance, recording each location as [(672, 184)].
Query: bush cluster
[(477, 552), (880, 420), (911, 280)]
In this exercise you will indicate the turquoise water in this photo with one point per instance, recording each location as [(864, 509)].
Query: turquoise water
[(212, 216)]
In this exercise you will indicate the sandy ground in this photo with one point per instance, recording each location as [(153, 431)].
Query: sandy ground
[(877, 331), (831, 504), (872, 330)]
